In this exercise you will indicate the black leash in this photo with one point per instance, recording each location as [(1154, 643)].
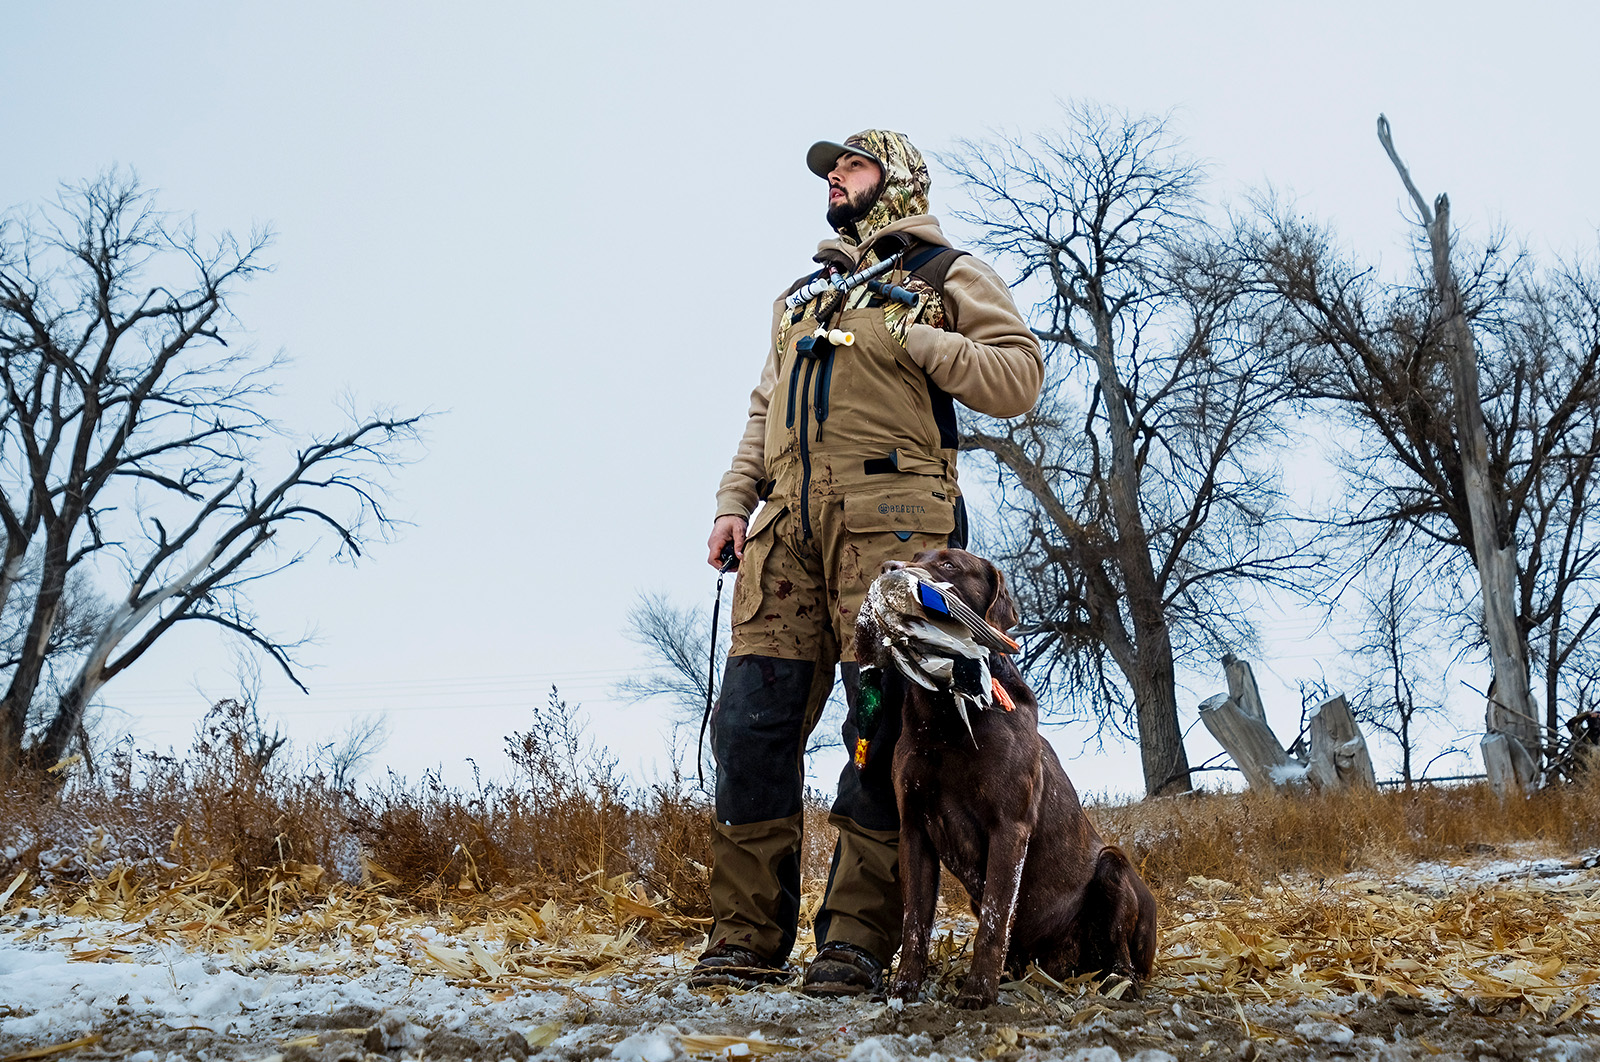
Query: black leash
[(730, 563)]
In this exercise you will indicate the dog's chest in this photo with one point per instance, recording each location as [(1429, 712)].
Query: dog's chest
[(961, 794)]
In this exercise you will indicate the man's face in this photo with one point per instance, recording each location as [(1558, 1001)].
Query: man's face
[(852, 184)]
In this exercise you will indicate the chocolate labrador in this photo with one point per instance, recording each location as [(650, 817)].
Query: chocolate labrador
[(996, 808)]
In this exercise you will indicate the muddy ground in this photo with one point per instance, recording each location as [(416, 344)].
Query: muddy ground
[(648, 1022)]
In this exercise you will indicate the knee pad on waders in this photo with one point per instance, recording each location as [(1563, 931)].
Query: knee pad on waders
[(757, 734)]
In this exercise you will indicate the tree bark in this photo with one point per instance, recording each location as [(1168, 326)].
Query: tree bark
[(1252, 744), (1152, 676), (1161, 752), (29, 670), (1339, 756), (1510, 708), (1506, 763)]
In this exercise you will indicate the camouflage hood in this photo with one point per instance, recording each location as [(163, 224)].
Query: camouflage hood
[(904, 192)]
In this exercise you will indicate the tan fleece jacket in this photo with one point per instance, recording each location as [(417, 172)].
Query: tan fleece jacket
[(990, 363)]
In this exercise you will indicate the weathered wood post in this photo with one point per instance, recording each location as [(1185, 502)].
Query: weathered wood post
[(1242, 686), (1339, 756)]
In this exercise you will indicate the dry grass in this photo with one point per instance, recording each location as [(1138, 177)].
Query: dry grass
[(568, 824), (567, 873), (1250, 838), (565, 821)]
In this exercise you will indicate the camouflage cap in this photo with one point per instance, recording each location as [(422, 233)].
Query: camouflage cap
[(905, 175), (824, 155)]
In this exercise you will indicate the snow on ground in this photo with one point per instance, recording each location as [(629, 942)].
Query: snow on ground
[(1553, 872), (95, 987)]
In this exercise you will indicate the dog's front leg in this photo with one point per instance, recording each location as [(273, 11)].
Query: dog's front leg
[(1008, 850), (919, 882)]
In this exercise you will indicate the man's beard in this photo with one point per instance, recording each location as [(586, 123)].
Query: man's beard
[(851, 209)]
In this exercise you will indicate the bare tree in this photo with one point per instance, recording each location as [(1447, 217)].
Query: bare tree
[(1474, 397), (677, 643), (1493, 542), (129, 433), (1396, 645), (1139, 495), (346, 757)]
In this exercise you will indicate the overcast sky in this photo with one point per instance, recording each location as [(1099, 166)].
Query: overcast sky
[(560, 227)]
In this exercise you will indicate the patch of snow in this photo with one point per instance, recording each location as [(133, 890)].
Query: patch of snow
[(1289, 773), (1325, 1032), (878, 1049), (661, 1045), (1566, 1049), (167, 987)]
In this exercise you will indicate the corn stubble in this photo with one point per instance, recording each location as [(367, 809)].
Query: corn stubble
[(569, 873)]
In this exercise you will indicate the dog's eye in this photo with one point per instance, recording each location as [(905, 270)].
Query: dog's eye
[(948, 564)]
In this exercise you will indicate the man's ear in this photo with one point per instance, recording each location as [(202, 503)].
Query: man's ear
[(1002, 612)]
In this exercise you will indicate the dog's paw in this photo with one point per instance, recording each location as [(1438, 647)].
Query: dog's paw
[(1120, 985), (905, 991), (977, 1000)]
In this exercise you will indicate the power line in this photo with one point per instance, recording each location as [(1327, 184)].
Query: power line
[(475, 693), (484, 684)]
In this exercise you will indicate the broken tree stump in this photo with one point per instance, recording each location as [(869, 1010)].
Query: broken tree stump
[(1242, 686), (1250, 741), (1339, 756)]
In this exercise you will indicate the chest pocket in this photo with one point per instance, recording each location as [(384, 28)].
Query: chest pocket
[(874, 376)]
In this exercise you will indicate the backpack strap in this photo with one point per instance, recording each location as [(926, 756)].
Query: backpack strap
[(931, 264)]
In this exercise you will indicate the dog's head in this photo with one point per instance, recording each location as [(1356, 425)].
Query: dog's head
[(979, 583)]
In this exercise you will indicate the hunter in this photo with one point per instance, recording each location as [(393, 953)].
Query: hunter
[(850, 450)]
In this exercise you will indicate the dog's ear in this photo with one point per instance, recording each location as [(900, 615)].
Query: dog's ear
[(1002, 612)]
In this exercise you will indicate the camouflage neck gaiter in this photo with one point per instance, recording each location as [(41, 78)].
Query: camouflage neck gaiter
[(904, 192)]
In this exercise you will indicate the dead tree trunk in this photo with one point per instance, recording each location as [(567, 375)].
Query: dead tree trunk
[(1494, 549), (1252, 744), (1242, 686), (1339, 757)]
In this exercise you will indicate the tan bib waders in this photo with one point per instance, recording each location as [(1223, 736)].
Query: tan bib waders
[(860, 454)]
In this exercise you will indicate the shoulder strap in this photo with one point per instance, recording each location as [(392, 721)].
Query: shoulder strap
[(930, 264)]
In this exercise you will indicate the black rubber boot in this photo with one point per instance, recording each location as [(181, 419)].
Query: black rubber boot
[(842, 969), (729, 964)]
